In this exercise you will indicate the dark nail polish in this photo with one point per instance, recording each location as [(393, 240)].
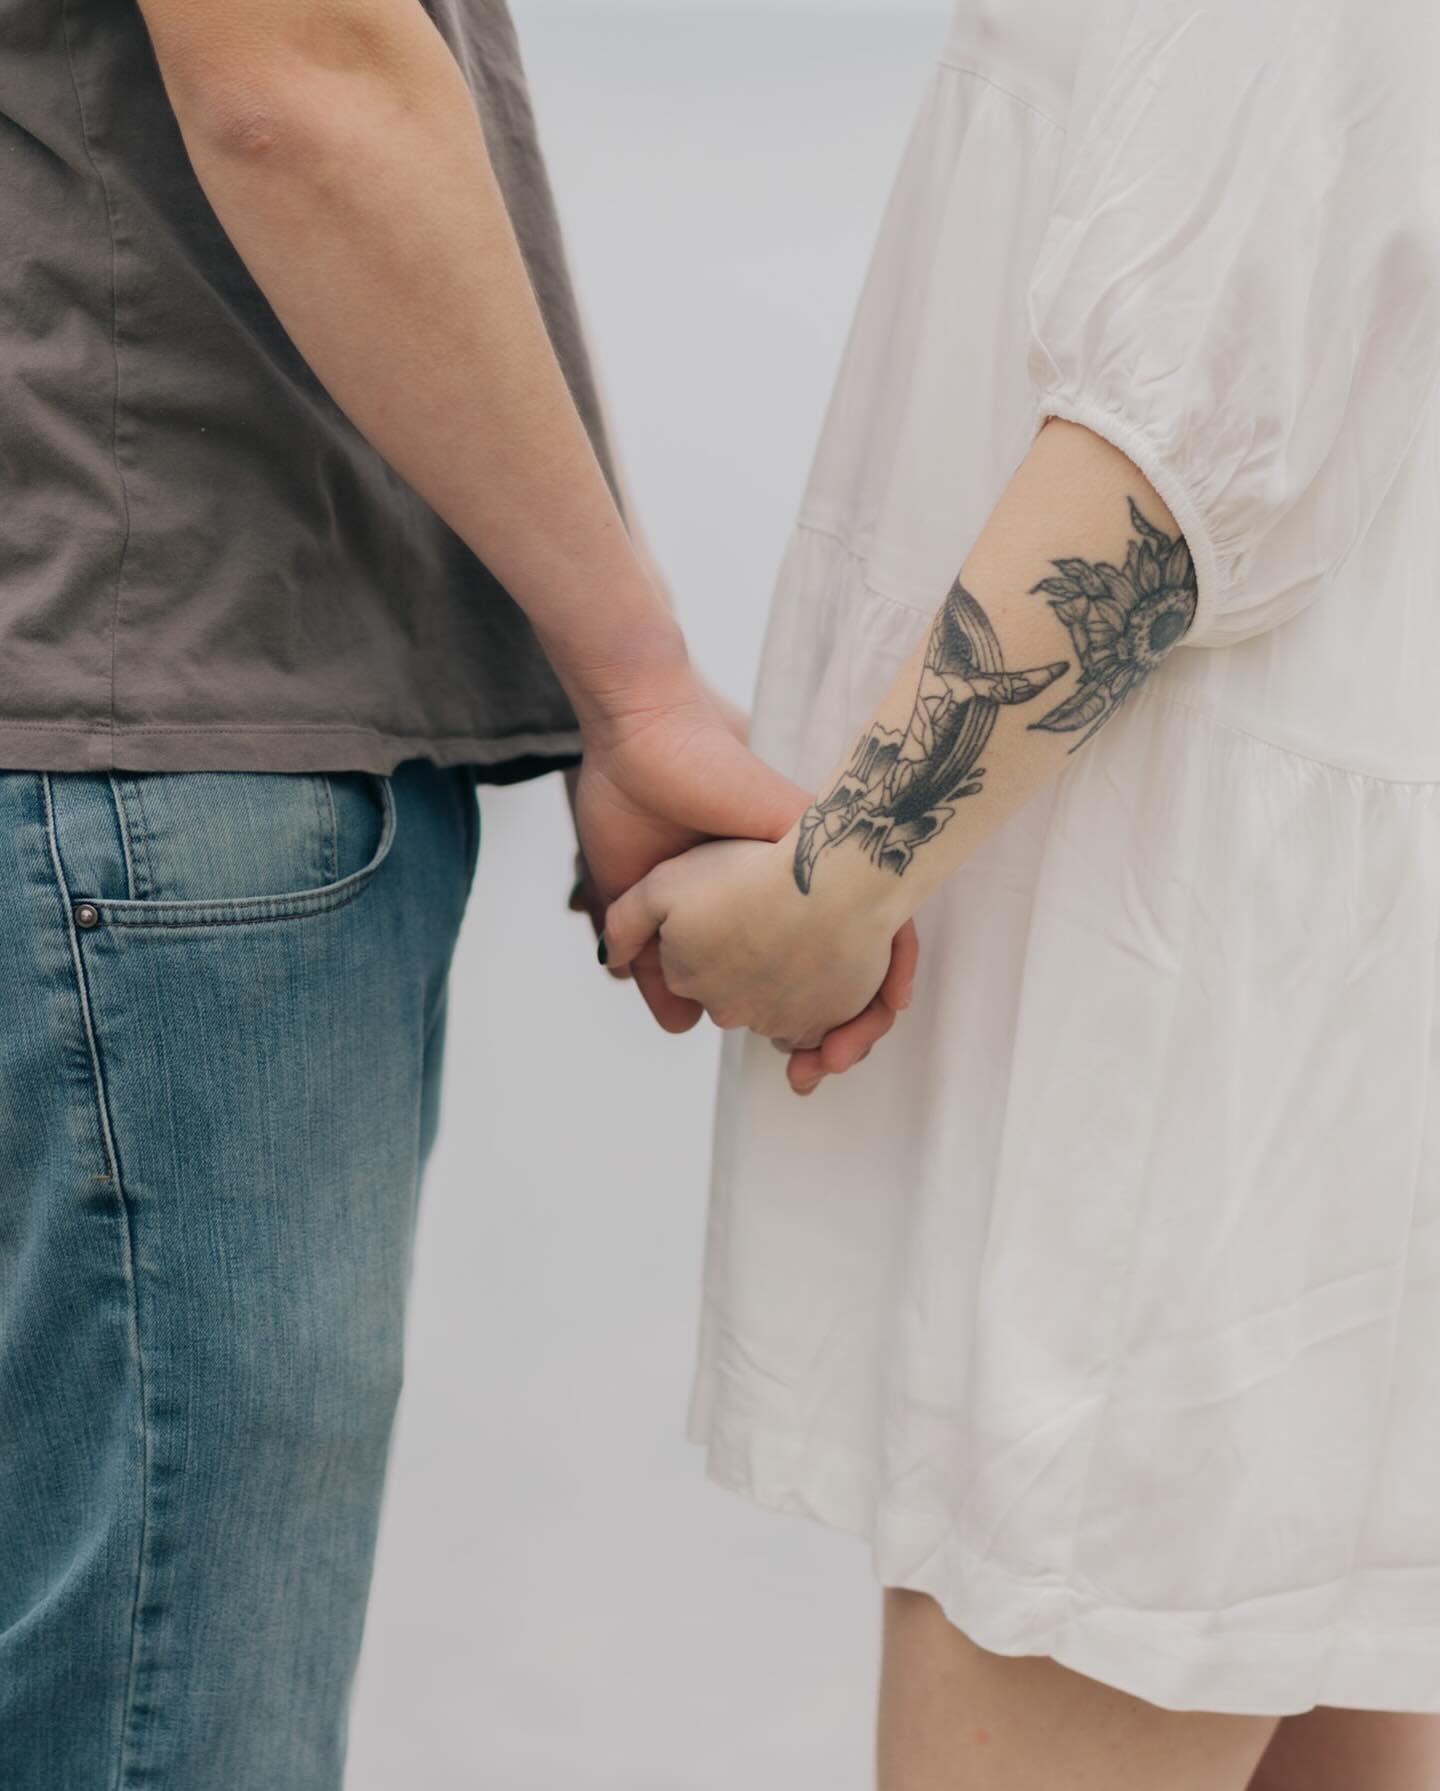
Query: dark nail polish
[(602, 950)]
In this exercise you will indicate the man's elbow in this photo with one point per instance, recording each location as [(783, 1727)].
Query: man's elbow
[(241, 121), (245, 107), (248, 85)]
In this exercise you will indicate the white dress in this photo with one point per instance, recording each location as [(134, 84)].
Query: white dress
[(1105, 1299)]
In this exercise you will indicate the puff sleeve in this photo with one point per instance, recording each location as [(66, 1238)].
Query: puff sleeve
[(1239, 284)]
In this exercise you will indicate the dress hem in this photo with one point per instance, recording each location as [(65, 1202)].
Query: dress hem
[(1152, 1655)]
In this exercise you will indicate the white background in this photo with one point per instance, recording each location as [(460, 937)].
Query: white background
[(562, 1602)]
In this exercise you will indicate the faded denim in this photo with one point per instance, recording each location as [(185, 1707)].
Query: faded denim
[(223, 1014)]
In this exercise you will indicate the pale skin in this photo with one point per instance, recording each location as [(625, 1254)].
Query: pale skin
[(341, 151), (955, 1718), (739, 934), (735, 933)]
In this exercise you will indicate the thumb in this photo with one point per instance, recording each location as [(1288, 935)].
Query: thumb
[(743, 798), (899, 986), (632, 921)]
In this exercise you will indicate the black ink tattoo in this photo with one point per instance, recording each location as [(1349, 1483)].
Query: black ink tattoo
[(898, 790), (899, 787), (1122, 621)]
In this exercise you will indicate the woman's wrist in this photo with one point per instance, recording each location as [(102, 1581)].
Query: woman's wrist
[(852, 898)]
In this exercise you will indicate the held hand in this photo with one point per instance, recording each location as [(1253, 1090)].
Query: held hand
[(852, 1043), (664, 775), (585, 894), (737, 937), (586, 899)]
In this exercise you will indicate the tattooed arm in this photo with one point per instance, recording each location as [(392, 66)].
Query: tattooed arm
[(1077, 588)]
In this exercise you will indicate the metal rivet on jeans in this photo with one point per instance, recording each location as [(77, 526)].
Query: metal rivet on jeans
[(87, 915)]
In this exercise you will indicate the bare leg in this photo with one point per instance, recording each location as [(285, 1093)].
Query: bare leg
[(1352, 1750), (954, 1718)]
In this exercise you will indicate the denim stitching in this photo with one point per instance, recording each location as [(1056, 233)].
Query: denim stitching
[(470, 819), (123, 818), (297, 910), (258, 910), (140, 876), (112, 1160), (139, 826), (329, 835)]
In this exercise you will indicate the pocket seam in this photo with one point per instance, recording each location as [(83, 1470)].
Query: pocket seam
[(329, 830), (258, 910), (226, 917), (135, 835), (122, 821)]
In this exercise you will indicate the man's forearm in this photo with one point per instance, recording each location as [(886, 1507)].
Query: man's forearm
[(1077, 588), (342, 153)]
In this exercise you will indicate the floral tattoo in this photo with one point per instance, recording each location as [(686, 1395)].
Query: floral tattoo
[(1122, 621), (899, 788)]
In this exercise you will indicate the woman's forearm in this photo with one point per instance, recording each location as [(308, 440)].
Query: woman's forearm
[(341, 150), (1078, 586)]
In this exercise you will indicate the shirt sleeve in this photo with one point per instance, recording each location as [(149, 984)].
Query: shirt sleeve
[(1239, 285)]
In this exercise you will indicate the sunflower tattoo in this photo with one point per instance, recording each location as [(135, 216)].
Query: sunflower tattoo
[(1121, 620), (900, 787)]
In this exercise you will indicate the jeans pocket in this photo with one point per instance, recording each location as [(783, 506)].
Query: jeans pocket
[(197, 849)]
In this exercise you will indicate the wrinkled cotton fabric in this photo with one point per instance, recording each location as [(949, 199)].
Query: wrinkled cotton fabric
[(1105, 1300), (204, 566)]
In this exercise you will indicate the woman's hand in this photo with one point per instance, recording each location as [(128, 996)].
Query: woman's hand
[(737, 937)]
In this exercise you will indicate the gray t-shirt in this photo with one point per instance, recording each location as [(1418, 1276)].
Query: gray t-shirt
[(203, 565)]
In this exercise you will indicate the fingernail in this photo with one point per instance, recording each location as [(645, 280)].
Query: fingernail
[(602, 951), (808, 1088)]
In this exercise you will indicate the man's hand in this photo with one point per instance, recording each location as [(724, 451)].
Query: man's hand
[(660, 775), (664, 773), (585, 894)]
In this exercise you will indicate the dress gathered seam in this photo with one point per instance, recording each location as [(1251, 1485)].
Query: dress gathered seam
[(1383, 779), (959, 65), (1152, 692)]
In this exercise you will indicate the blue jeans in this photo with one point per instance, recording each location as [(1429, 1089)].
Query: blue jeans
[(222, 1004)]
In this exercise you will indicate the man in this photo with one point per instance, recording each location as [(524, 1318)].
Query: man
[(305, 526)]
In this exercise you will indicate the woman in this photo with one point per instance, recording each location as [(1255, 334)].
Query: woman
[(1106, 1307)]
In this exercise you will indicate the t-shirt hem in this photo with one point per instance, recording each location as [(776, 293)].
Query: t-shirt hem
[(59, 746)]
